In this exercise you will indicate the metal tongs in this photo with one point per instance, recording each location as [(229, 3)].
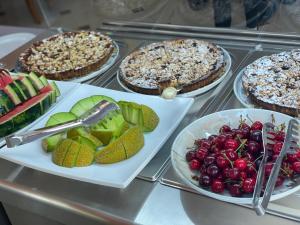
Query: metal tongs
[(292, 137), (92, 116)]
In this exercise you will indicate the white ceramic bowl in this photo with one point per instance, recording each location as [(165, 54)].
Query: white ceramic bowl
[(211, 124)]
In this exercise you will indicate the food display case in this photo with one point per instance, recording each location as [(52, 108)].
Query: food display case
[(158, 194)]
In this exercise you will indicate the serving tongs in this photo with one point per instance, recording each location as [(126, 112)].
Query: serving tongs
[(292, 137), (95, 114)]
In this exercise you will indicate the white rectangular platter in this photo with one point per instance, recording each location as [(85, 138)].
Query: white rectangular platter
[(65, 88), (120, 174)]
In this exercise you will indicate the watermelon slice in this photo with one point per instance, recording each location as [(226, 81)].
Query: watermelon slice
[(26, 112), (5, 78)]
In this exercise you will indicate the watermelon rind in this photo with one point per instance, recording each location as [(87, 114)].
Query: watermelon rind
[(12, 94), (37, 83), (6, 102), (18, 91), (23, 88), (32, 91)]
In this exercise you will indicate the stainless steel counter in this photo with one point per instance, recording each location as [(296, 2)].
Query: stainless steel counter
[(157, 196)]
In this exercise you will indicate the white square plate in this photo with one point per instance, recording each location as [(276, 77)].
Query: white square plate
[(120, 174)]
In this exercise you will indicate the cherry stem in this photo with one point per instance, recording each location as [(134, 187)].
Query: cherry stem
[(249, 118), (257, 158), (225, 156)]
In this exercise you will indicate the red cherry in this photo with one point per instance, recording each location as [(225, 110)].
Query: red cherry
[(212, 170), (225, 172), (243, 175), (277, 147), (248, 185), (251, 168), (205, 144), (198, 142), (210, 159), (224, 129), (244, 126), (255, 135), (231, 144), (279, 181), (234, 173), (205, 180), (201, 153), (194, 164), (222, 162), (253, 147), (291, 157), (280, 135), (241, 164), (229, 135), (257, 126), (190, 155), (238, 134), (235, 190), (268, 168), (231, 154), (220, 140), (217, 186), (212, 138), (248, 156), (215, 149), (296, 167)]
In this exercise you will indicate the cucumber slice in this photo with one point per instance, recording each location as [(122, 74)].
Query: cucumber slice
[(37, 83), (50, 143)]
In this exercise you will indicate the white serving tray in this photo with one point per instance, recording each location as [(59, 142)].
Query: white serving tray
[(120, 174)]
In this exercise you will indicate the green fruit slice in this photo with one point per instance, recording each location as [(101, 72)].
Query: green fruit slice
[(82, 132), (70, 153), (140, 115), (110, 127), (123, 148), (85, 156), (86, 104), (60, 152), (50, 143)]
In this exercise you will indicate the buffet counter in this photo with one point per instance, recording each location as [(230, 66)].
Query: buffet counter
[(157, 195)]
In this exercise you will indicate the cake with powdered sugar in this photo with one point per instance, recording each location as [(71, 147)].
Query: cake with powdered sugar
[(273, 82), (186, 64), (67, 55)]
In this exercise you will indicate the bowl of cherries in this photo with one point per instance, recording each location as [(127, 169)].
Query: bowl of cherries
[(219, 155)]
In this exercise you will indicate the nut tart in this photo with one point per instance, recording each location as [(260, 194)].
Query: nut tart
[(68, 55), (186, 64), (273, 82)]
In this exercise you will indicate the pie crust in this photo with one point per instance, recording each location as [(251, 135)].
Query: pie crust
[(186, 64), (68, 55), (273, 82)]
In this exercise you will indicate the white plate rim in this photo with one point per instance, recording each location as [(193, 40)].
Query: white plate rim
[(197, 91), (238, 90), (221, 197)]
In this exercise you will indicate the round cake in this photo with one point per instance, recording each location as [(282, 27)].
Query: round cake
[(186, 64), (67, 55), (273, 82)]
